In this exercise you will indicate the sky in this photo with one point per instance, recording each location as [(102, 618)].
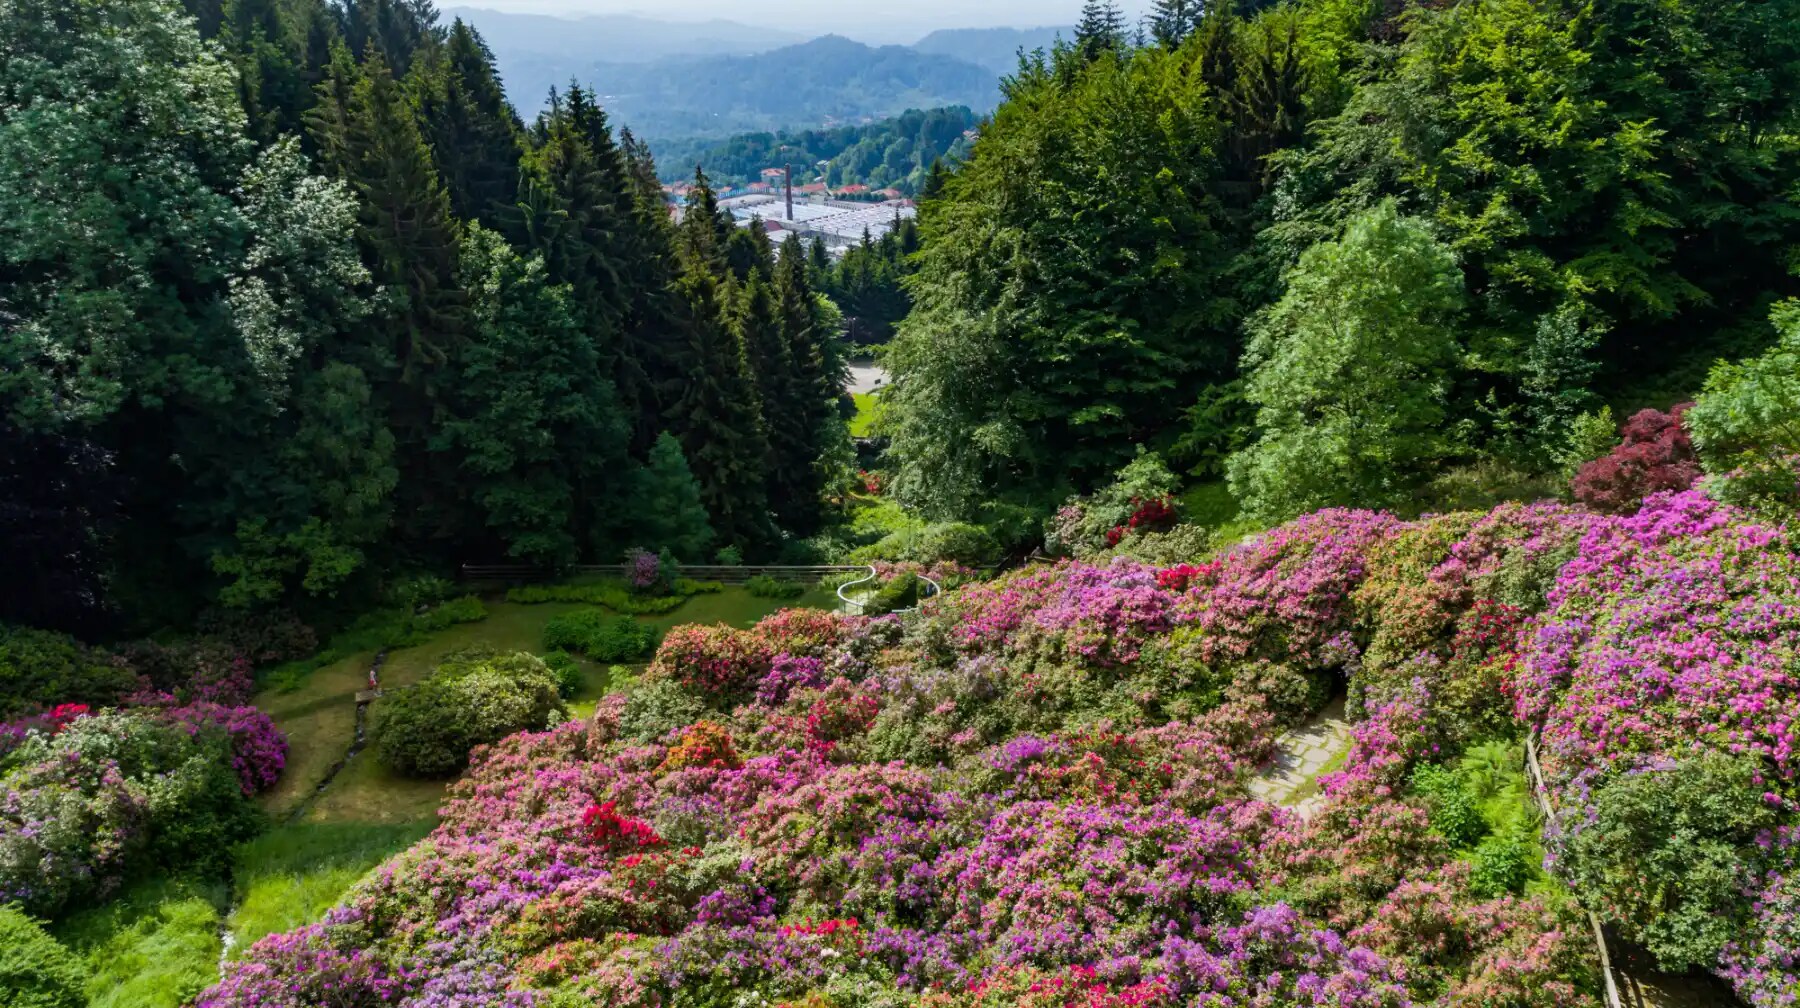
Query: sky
[(874, 20)]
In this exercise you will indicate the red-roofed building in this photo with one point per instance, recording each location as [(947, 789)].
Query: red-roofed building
[(812, 189), (773, 174), (890, 193), (852, 190)]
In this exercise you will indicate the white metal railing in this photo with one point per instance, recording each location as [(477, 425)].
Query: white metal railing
[(856, 605)]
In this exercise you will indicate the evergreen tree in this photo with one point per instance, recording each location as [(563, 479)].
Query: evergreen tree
[(537, 431), (409, 239), (1101, 29), (713, 405), (475, 134), (271, 76), (666, 510), (1172, 21), (394, 29)]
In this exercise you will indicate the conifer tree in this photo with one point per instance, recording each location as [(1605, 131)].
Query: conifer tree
[(666, 509), (1172, 21), (537, 431), (475, 134), (713, 405), (1101, 29), (271, 76), (409, 239)]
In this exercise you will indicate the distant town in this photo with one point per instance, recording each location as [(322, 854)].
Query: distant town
[(842, 217)]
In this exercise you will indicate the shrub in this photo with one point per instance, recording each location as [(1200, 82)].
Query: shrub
[(39, 669), (901, 592), (1656, 454), (568, 673), (258, 749), (467, 609), (1502, 865), (956, 542), (1664, 853), (714, 660), (473, 698), (108, 793), (601, 637), (730, 556), (764, 586), (1746, 423), (265, 638), (35, 971)]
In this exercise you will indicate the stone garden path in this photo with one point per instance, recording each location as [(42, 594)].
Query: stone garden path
[(1300, 755)]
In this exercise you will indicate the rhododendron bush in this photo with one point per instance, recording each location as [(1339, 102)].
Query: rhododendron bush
[(1034, 790)]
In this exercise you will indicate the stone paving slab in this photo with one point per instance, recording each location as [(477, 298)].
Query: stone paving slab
[(1300, 754)]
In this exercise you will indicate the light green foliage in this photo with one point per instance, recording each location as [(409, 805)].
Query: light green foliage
[(1081, 526), (566, 669), (1746, 423), (1350, 372), (1590, 436), (156, 945), (764, 586), (291, 875), (1454, 812), (470, 699), (36, 972)]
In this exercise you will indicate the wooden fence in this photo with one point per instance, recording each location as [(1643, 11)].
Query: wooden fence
[(523, 573), (1542, 791)]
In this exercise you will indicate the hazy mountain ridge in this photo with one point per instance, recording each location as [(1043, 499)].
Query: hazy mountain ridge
[(715, 79)]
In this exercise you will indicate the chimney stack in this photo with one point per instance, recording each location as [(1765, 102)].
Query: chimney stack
[(790, 192)]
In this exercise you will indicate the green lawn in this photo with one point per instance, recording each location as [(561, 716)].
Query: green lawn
[(866, 406), (292, 874)]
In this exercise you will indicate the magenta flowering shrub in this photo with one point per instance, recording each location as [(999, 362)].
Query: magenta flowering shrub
[(258, 749), (1032, 792)]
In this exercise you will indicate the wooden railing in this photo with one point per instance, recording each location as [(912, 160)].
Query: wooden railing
[(1542, 790), (724, 575)]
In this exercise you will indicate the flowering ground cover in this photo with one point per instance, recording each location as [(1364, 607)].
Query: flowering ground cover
[(1032, 792)]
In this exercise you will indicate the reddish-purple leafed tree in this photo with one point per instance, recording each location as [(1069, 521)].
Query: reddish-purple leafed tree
[(1656, 454)]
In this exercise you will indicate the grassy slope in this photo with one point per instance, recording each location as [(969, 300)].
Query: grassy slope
[(866, 405), (155, 946)]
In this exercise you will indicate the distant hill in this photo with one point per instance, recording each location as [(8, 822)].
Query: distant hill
[(827, 82), (893, 152), (994, 48), (614, 38)]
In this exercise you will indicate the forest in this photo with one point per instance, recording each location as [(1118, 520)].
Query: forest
[(1326, 534), (897, 152)]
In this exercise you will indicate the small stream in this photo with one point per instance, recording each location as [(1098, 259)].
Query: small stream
[(359, 741)]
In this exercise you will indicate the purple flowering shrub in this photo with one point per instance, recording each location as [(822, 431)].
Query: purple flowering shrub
[(93, 798), (1034, 792)]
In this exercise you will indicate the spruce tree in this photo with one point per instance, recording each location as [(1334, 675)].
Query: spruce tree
[(271, 75), (1101, 29), (474, 133), (409, 239), (666, 509), (1172, 21), (713, 405)]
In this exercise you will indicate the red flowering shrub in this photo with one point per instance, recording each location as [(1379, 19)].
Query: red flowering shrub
[(607, 828), (1656, 454), (871, 482), (702, 744), (716, 660), (1179, 577)]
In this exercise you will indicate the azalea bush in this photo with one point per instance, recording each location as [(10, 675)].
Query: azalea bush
[(98, 796), (470, 699), (1033, 790)]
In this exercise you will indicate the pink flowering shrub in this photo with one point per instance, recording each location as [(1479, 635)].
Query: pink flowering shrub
[(258, 749), (1032, 792)]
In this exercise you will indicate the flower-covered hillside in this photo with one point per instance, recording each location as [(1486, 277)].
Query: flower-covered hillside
[(1033, 792)]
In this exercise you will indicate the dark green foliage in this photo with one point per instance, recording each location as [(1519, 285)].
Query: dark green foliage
[(765, 586), (35, 971), (901, 592), (562, 664), (58, 500), (470, 699), (39, 669), (475, 135), (868, 284), (1027, 364), (593, 634), (1664, 855)]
